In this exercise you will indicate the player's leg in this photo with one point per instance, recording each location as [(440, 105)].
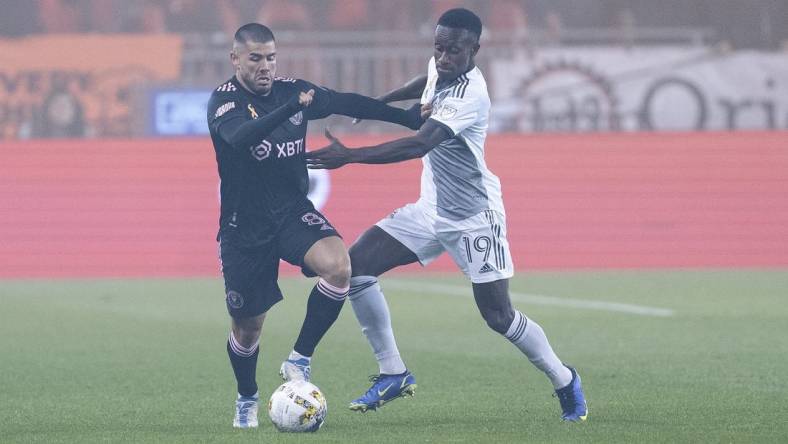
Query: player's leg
[(492, 299), (312, 243), (373, 254), (328, 258), (494, 303), (242, 349), (479, 247), (403, 238), (251, 289)]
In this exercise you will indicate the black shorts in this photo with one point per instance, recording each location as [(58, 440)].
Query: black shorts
[(251, 273)]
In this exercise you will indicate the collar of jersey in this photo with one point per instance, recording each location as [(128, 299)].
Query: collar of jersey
[(461, 78), (240, 87)]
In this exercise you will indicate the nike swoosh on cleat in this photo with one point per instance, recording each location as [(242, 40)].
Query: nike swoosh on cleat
[(383, 392)]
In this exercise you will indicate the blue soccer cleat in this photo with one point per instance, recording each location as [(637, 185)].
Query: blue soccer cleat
[(296, 370), (385, 388), (246, 412), (572, 399)]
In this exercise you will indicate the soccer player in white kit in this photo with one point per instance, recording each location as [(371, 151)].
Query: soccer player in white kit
[(460, 211)]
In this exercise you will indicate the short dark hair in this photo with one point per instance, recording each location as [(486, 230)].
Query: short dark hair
[(461, 18), (254, 32)]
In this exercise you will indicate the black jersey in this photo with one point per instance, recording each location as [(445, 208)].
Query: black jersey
[(260, 142), (265, 181)]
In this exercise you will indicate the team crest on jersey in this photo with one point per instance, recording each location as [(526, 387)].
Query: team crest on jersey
[(234, 299), (447, 111), (297, 118), (223, 109)]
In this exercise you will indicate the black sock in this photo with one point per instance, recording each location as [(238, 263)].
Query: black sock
[(245, 368), (322, 310)]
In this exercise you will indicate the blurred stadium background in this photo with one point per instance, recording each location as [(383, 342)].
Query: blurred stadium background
[(628, 135)]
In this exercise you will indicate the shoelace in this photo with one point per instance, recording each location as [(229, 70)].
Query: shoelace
[(306, 369), (374, 379), (566, 397), (245, 406)]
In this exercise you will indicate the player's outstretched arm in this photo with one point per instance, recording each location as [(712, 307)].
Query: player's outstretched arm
[(410, 90), (337, 154), (363, 107), (242, 133)]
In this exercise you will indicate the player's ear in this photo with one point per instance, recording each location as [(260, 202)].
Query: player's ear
[(234, 59), (476, 47)]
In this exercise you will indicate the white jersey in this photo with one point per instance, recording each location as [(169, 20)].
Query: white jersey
[(455, 181), (460, 210)]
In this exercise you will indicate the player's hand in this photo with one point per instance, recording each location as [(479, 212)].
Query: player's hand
[(426, 111), (332, 156), (305, 98), (417, 115)]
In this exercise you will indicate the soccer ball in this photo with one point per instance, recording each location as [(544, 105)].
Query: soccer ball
[(297, 406)]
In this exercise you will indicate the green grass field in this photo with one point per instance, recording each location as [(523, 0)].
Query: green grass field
[(144, 361)]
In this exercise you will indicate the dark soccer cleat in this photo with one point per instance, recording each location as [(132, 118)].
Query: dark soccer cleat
[(572, 399), (385, 388)]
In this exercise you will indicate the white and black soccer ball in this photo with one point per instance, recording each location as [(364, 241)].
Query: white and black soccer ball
[(297, 406)]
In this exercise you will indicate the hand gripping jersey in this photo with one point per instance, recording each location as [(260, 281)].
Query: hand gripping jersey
[(455, 181)]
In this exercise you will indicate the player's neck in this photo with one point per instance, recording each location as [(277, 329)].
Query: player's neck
[(443, 83)]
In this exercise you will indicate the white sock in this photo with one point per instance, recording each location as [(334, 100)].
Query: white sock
[(373, 315), (529, 337), (295, 356)]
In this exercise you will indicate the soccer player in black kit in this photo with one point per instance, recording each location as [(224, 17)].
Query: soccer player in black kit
[(258, 127)]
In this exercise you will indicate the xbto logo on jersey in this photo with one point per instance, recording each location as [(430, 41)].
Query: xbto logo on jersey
[(261, 151), (284, 149)]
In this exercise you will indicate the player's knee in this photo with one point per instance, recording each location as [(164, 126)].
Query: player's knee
[(248, 338), (247, 335), (337, 270), (498, 320)]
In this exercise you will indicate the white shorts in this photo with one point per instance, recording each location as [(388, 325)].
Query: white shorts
[(477, 244)]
